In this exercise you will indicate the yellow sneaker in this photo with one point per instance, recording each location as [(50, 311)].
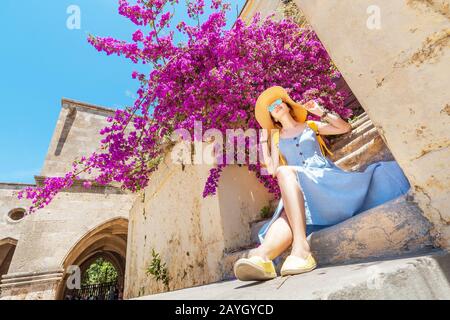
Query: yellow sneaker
[(254, 268), (296, 265)]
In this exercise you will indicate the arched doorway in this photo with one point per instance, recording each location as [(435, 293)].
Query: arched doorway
[(101, 251), (7, 248)]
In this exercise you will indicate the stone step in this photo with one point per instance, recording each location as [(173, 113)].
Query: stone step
[(423, 276), (383, 154), (360, 147), (228, 261), (393, 228), (363, 117), (359, 141), (350, 136), (374, 150), (336, 142)]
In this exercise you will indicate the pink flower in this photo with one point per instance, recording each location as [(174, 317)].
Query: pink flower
[(138, 36)]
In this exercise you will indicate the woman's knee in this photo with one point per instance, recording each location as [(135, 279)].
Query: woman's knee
[(284, 173), (286, 176)]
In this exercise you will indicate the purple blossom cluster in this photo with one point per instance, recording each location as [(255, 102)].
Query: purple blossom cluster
[(214, 77)]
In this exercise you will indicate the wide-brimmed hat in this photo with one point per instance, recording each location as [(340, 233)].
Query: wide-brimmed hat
[(266, 98)]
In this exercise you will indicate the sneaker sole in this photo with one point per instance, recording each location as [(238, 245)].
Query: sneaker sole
[(291, 272), (247, 271)]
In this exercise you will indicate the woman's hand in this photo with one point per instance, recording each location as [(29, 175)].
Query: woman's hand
[(313, 107)]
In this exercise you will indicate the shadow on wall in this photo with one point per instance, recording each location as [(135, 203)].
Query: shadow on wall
[(70, 119)]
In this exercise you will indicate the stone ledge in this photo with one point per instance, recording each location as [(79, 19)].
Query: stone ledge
[(30, 278), (409, 277), (18, 275), (79, 188), (394, 228), (29, 282), (15, 186), (83, 106)]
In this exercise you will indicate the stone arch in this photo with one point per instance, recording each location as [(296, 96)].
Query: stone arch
[(7, 248), (108, 240)]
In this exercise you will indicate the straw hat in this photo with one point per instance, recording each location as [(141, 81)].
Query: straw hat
[(266, 98)]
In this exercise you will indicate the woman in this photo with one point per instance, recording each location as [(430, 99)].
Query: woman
[(315, 193)]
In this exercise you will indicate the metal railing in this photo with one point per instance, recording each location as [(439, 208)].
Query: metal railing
[(102, 291)]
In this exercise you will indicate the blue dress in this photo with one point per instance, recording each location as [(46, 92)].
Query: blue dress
[(331, 194)]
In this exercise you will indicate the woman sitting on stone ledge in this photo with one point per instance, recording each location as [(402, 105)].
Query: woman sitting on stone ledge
[(315, 193)]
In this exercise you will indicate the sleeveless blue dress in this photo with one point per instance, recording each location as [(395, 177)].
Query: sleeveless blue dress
[(331, 194)]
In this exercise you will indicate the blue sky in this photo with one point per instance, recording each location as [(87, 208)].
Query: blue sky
[(42, 61)]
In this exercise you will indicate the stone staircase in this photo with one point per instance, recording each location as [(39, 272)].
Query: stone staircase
[(392, 229), (355, 150)]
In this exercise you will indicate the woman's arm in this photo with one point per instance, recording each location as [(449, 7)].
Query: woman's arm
[(334, 123), (271, 159)]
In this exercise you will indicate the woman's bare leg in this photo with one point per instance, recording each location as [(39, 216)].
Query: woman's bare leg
[(294, 205), (278, 238)]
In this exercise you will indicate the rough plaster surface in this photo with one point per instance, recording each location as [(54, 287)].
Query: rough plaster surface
[(191, 233), (393, 228), (8, 202)]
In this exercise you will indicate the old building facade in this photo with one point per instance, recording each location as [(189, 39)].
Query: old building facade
[(198, 239), (78, 226)]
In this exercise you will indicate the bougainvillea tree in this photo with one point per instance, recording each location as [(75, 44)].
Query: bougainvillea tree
[(215, 77)]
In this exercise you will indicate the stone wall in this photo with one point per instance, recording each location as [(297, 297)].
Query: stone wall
[(76, 134), (8, 202), (48, 235), (191, 233), (399, 73), (47, 239)]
